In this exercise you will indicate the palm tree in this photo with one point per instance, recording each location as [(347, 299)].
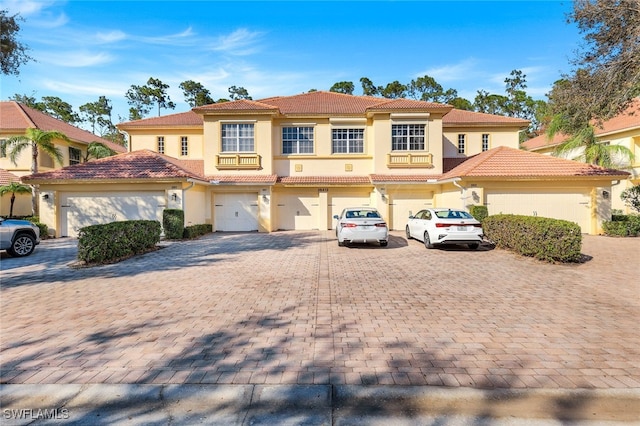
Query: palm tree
[(588, 148), (14, 188), (37, 140)]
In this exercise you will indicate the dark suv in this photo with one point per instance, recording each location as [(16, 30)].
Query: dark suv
[(18, 237)]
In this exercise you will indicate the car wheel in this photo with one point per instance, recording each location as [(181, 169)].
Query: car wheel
[(474, 246), (427, 241), (23, 245), (408, 232), (340, 243), (384, 243)]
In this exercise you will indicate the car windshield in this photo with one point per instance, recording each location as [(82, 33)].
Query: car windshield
[(453, 214), (353, 214)]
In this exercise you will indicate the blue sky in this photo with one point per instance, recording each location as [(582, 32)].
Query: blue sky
[(85, 49)]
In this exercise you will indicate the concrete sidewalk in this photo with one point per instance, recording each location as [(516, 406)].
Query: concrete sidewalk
[(93, 404)]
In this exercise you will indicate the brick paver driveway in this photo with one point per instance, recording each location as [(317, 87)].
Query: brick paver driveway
[(293, 307)]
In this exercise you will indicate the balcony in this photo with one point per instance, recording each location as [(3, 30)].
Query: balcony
[(399, 160), (238, 162)]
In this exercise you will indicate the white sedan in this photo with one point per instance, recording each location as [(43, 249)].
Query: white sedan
[(361, 225), (445, 226)]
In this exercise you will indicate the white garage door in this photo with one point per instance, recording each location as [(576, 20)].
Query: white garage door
[(298, 211), (570, 205), (80, 209), (404, 204), (339, 201), (236, 212)]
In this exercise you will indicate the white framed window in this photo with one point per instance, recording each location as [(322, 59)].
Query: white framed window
[(408, 137), (184, 146), (161, 144), (75, 156), (485, 142), (462, 142), (238, 137), (347, 141), (297, 140)]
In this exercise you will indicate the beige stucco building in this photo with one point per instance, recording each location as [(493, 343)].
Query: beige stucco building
[(15, 119), (623, 130), (292, 162)]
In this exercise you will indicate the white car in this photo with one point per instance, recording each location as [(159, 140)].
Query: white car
[(361, 225), (445, 226)]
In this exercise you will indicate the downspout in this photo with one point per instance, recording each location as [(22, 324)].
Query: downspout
[(463, 191)]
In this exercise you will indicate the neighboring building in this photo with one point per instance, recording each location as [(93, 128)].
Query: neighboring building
[(22, 203), (624, 130), (15, 119), (293, 162)]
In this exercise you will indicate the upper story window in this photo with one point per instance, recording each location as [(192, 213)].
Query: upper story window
[(347, 141), (485, 142), (75, 155), (297, 140), (462, 143), (161, 144), (407, 137), (184, 146), (238, 137)]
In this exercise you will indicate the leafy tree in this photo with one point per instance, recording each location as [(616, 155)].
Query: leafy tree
[(141, 98), (345, 87), (13, 53), (236, 93), (394, 90), (488, 103), (631, 197), (98, 114), (57, 108), (368, 88), (27, 100), (98, 150), (195, 94), (14, 188), (37, 140), (461, 103), (606, 76)]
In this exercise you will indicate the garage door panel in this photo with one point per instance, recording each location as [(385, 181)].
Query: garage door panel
[(570, 205), (404, 204), (236, 212), (298, 211), (340, 201), (85, 209)]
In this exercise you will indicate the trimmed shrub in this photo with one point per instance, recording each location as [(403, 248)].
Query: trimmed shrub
[(622, 226), (117, 240), (173, 223), (44, 229), (194, 231), (479, 212), (546, 239)]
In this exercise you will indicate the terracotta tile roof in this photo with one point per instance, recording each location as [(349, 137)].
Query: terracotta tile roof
[(515, 163), (7, 177), (188, 118), (381, 178), (323, 103), (235, 106), (242, 179), (143, 164), (324, 180), (404, 104), (16, 118), (627, 120), (459, 117)]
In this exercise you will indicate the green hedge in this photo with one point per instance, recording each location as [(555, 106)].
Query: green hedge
[(540, 237), (173, 223), (622, 226), (117, 240), (479, 212), (194, 231), (44, 229)]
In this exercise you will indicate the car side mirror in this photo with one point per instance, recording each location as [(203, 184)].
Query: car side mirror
[(335, 216), (411, 217)]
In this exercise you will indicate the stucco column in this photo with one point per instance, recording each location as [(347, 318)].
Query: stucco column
[(325, 222)]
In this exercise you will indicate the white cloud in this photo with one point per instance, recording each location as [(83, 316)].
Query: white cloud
[(452, 72), (111, 36), (239, 42), (75, 59), (171, 39), (79, 88), (24, 7)]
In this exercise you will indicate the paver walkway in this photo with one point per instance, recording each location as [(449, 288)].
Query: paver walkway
[(294, 308)]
